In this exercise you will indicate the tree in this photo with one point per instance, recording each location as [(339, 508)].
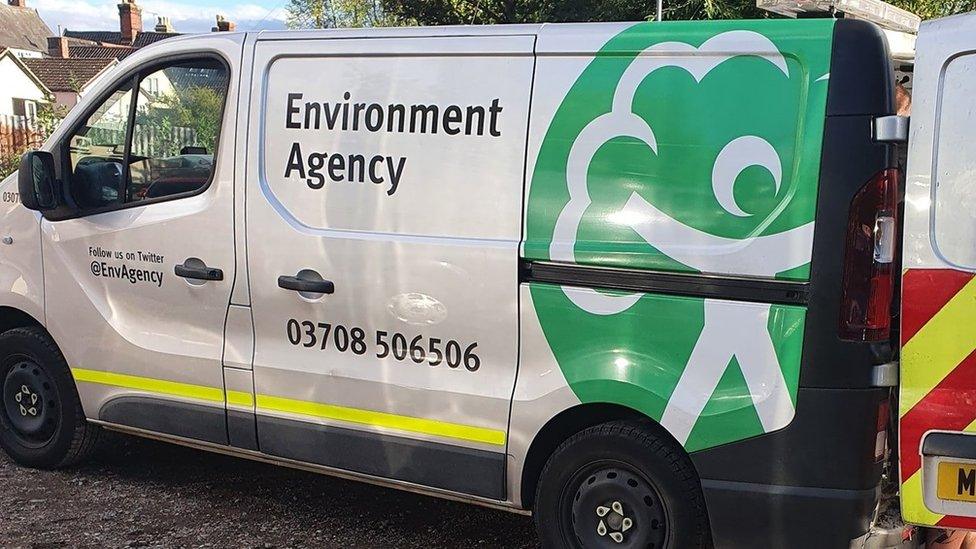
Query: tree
[(461, 12), (168, 122), (930, 9), (199, 108), (325, 14)]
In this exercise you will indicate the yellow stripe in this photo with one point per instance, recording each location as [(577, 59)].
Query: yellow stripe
[(299, 407), (945, 340), (382, 419), (239, 398), (913, 508), (149, 385)]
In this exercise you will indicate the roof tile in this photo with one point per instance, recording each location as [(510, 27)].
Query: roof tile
[(66, 74), (22, 28)]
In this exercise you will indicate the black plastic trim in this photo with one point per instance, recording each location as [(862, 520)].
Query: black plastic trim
[(955, 445), (860, 66), (455, 468), (692, 285), (829, 444), (198, 273), (181, 419), (769, 515), (301, 285), (860, 88), (815, 477), (242, 430)]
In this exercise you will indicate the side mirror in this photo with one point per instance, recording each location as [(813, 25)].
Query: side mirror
[(36, 181)]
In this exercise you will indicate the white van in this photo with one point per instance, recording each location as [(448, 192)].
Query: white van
[(635, 278)]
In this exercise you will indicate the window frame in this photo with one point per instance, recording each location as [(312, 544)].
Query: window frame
[(70, 209)]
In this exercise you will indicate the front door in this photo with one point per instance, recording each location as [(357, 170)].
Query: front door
[(938, 331), (383, 221), (138, 275)]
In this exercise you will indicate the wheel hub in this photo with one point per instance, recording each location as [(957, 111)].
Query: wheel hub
[(28, 400), (613, 521), (616, 507)]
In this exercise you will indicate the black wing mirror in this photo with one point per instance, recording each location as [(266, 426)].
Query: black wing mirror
[(36, 181)]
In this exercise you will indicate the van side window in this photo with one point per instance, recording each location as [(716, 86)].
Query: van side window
[(162, 146), (97, 152), (178, 114)]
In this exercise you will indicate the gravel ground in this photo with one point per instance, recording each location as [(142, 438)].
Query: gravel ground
[(142, 493)]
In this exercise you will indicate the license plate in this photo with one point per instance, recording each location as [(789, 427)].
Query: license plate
[(957, 481)]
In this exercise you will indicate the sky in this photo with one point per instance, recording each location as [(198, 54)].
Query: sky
[(184, 15)]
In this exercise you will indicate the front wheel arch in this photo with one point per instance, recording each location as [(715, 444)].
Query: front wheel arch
[(12, 317)]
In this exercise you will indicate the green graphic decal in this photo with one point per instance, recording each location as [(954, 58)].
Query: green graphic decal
[(636, 358), (689, 147), (692, 123)]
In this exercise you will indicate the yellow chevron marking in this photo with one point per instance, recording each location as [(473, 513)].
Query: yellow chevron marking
[(913, 508), (945, 340)]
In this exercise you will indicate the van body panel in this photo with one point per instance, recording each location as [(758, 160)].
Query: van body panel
[(938, 312), (127, 353), (710, 186), (646, 105), (831, 470), (413, 363), (21, 268), (612, 344)]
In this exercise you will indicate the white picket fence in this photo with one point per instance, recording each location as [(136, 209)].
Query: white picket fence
[(20, 133)]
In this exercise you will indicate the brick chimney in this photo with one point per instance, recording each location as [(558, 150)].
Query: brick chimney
[(130, 20), (18, 3), (163, 25), (224, 25), (57, 46)]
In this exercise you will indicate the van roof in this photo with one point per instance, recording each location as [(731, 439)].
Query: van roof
[(489, 30), (400, 32)]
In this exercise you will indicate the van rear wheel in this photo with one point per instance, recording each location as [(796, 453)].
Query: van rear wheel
[(42, 424), (620, 485)]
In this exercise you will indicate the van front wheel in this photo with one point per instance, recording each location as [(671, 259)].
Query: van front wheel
[(620, 485), (41, 420)]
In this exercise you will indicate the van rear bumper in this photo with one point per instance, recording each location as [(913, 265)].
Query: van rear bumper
[(744, 514), (813, 483)]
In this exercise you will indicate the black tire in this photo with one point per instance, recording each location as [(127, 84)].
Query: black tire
[(637, 484), (42, 424)]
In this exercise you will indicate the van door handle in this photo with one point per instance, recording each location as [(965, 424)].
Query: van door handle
[(198, 273), (309, 286)]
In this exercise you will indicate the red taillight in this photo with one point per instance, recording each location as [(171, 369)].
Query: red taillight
[(865, 307)]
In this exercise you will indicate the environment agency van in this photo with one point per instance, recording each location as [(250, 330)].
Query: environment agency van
[(643, 280)]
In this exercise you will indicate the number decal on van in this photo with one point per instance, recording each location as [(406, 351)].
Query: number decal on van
[(418, 349)]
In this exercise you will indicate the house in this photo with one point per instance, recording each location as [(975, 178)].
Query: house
[(97, 44), (68, 79), (21, 90), (36, 67), (22, 32)]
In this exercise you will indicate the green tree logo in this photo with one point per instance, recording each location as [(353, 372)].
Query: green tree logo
[(682, 155)]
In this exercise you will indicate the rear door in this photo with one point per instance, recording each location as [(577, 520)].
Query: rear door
[(938, 332), (383, 219)]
